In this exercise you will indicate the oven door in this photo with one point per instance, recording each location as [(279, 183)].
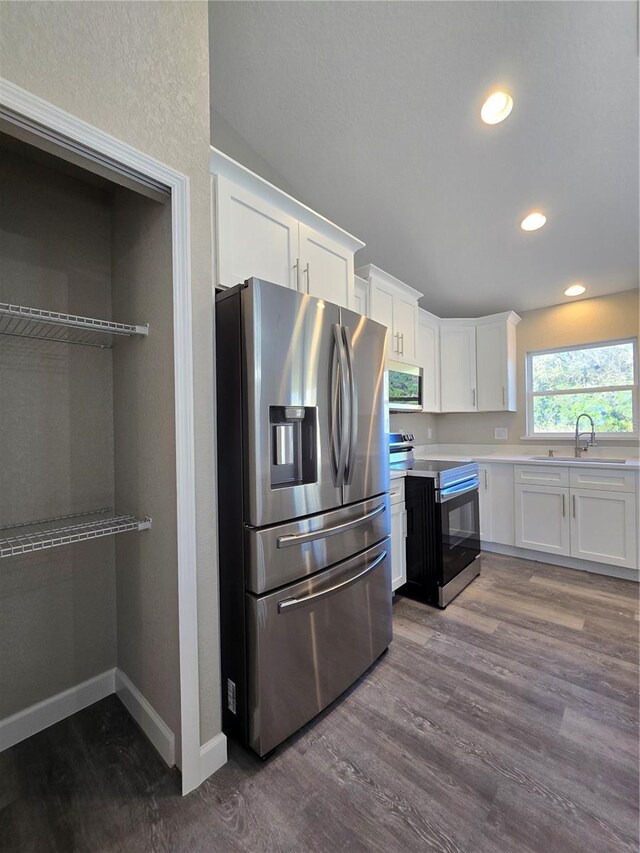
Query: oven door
[(458, 508)]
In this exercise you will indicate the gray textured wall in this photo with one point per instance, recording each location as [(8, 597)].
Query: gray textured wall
[(144, 435), (141, 72), (57, 608)]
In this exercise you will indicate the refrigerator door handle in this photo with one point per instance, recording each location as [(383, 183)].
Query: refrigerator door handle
[(324, 532), (293, 603), (340, 408), (353, 420)]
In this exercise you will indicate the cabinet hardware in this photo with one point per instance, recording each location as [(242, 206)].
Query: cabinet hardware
[(574, 505), (504, 399), (473, 395), (402, 343), (486, 480), (296, 267), (397, 346), (306, 269), (563, 507)]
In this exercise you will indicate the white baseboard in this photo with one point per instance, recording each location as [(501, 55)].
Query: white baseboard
[(213, 754), (146, 717), (565, 562), (43, 714)]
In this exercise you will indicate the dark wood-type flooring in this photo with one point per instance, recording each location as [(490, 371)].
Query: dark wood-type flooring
[(506, 723)]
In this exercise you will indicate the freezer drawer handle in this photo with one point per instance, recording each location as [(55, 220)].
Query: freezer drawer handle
[(312, 535), (293, 603)]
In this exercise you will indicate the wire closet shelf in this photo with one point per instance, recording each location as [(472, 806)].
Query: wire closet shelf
[(23, 322), (63, 530)]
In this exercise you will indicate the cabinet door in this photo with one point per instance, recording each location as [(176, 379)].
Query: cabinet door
[(458, 368), (405, 317), (484, 493), (542, 519), (428, 358), (603, 527), (398, 552), (360, 295), (491, 354), (253, 238), (326, 268), (381, 310), (501, 499)]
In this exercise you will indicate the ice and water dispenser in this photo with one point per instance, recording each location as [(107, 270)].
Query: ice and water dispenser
[(293, 445)]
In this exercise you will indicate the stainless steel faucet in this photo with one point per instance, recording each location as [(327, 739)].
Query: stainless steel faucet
[(592, 440)]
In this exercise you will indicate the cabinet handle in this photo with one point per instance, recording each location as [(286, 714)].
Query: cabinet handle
[(504, 399), (306, 269), (486, 480), (473, 396), (563, 507), (397, 347), (296, 267), (574, 505), (402, 343)]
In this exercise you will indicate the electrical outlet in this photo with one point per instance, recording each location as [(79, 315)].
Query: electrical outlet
[(429, 432), (500, 432)]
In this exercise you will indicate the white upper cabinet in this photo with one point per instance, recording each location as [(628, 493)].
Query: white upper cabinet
[(496, 362), (478, 364), (258, 230), (326, 268), (395, 305), (458, 366), (428, 358), (254, 238), (361, 295)]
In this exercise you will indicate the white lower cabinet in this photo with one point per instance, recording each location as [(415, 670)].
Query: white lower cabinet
[(398, 535), (595, 524), (542, 519), (603, 527)]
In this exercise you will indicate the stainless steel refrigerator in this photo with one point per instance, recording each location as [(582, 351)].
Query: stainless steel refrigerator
[(305, 574)]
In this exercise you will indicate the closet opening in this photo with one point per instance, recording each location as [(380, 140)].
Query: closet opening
[(88, 493)]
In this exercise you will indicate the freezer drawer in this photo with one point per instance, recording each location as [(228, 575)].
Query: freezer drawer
[(287, 552), (309, 642)]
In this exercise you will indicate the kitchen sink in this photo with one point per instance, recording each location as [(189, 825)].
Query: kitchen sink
[(592, 460)]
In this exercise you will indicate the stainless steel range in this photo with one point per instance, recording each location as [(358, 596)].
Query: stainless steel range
[(443, 523), (305, 574)]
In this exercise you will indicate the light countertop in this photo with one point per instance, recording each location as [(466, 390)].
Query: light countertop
[(514, 458)]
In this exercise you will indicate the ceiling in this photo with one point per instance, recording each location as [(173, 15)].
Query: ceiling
[(370, 112)]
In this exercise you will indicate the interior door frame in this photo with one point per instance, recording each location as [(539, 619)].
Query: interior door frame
[(28, 116)]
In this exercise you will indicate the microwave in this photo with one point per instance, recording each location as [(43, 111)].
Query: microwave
[(404, 387)]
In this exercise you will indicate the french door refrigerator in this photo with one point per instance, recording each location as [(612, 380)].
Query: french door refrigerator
[(303, 506)]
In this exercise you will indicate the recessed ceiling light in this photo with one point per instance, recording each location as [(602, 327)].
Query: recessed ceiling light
[(575, 290), (533, 221), (496, 108)]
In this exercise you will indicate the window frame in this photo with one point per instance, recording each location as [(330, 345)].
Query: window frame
[(530, 394)]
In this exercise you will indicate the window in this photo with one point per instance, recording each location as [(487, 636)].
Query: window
[(599, 379)]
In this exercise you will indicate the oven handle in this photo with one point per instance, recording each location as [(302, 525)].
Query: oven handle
[(444, 495), (293, 603)]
